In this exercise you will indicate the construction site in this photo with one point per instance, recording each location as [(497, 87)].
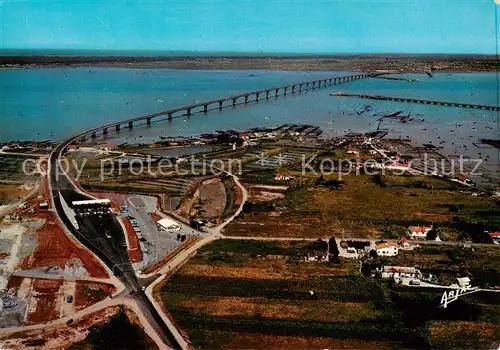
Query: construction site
[(42, 270)]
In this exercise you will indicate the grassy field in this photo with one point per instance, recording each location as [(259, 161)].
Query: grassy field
[(365, 206), (249, 294), (462, 334)]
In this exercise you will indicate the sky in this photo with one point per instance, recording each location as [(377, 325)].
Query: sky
[(288, 26)]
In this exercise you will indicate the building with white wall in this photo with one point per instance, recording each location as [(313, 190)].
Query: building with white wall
[(167, 224), (389, 248)]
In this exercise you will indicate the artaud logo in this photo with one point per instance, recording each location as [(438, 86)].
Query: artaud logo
[(453, 295)]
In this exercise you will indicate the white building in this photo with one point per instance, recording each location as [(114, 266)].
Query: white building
[(316, 257), (167, 224), (418, 232), (389, 248), (463, 282), (397, 272)]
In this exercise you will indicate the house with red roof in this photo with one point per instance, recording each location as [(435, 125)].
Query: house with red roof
[(353, 150), (404, 244), (495, 236), (389, 248), (418, 232), (107, 147)]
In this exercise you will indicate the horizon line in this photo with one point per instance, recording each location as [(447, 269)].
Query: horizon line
[(166, 52)]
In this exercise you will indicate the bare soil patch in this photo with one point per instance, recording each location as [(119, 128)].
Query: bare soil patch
[(88, 293), (55, 248), (266, 269), (134, 249), (263, 341), (328, 311), (212, 198), (46, 297)]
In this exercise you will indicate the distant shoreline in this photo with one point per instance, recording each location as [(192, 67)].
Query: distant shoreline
[(353, 62)]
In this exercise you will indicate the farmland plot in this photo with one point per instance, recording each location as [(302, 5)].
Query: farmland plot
[(250, 294)]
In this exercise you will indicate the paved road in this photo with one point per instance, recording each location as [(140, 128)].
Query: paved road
[(125, 299), (43, 275), (111, 251)]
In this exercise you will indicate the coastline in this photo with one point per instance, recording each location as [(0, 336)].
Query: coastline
[(400, 64)]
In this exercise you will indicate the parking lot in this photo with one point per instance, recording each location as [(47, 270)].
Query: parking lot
[(93, 210), (155, 243)]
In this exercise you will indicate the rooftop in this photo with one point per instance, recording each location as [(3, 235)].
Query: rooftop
[(420, 229), (386, 245)]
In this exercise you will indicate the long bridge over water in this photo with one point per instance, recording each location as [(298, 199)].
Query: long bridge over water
[(231, 101), (415, 100)]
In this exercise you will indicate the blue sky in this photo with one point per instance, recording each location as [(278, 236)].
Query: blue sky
[(308, 26)]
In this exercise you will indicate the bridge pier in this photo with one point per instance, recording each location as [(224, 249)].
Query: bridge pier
[(324, 82)]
